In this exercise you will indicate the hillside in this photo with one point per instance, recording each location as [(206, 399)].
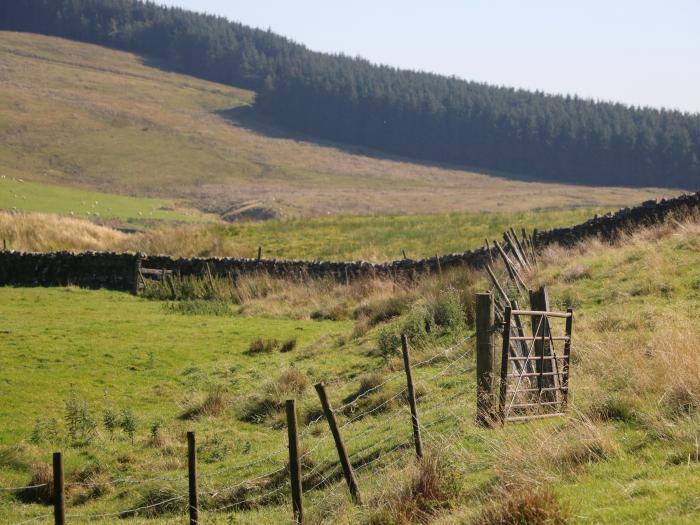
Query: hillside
[(626, 452), (416, 114), (84, 116)]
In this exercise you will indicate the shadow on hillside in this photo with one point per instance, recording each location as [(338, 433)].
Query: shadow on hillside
[(248, 117)]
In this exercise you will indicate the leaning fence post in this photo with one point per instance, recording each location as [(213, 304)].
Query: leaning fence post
[(59, 499), (339, 445), (192, 478), (294, 464), (418, 441), (484, 358)]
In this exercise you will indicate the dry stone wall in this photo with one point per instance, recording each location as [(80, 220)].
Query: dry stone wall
[(117, 271)]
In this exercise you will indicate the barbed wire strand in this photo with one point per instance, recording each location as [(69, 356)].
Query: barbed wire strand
[(35, 518), (123, 512)]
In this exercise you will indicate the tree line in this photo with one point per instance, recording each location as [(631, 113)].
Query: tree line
[(411, 113)]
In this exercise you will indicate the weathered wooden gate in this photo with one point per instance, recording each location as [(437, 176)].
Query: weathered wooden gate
[(534, 368)]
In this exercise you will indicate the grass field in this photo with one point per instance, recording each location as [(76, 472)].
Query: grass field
[(34, 197), (380, 238), (626, 453), (78, 115), (385, 238)]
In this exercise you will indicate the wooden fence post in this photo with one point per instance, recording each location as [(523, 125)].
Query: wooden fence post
[(137, 274), (339, 445), (484, 359), (418, 441), (59, 498), (567, 357), (503, 386), (294, 463), (259, 253), (192, 478)]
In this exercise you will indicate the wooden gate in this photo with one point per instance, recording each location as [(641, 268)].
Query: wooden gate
[(534, 368)]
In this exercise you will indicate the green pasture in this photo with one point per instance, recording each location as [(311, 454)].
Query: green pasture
[(25, 196)]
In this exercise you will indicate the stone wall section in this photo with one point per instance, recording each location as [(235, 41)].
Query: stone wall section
[(117, 271)]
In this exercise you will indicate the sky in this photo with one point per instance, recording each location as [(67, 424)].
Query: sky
[(644, 53)]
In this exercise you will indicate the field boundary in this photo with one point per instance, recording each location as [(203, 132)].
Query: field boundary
[(120, 271)]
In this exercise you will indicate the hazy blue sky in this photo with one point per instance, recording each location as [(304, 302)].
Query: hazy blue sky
[(640, 52)]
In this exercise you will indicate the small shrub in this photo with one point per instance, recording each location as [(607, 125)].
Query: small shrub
[(263, 346), (157, 436), (44, 431), (214, 450), (79, 421), (520, 507), (448, 312), (128, 423), (416, 323), (388, 341), (110, 419)]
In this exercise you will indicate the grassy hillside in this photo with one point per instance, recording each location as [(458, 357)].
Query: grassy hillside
[(79, 115), (625, 453)]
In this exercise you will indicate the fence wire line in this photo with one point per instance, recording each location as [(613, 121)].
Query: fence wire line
[(249, 480), (443, 370), (400, 412), (35, 518), (247, 500), (28, 487), (123, 512), (393, 375), (440, 372)]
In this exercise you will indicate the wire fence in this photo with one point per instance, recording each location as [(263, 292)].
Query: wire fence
[(324, 474)]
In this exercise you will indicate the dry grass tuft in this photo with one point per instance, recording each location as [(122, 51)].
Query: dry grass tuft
[(42, 233), (290, 383), (546, 452), (660, 372), (151, 502), (263, 346), (426, 492), (41, 483), (523, 506), (92, 482), (212, 404)]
